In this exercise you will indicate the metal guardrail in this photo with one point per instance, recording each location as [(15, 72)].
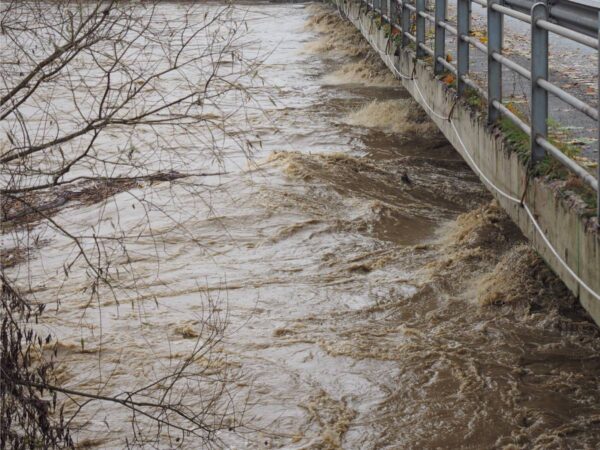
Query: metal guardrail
[(574, 20)]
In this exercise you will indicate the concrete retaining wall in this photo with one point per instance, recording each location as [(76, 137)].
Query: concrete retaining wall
[(575, 238)]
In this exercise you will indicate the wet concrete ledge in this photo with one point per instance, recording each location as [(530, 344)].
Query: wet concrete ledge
[(574, 236)]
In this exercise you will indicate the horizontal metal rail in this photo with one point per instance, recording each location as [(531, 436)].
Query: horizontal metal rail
[(410, 36), (508, 63), (575, 22), (549, 26), (569, 34), (576, 16), (512, 116), (427, 17), (511, 13), (448, 27), (568, 162), (449, 67), (548, 146), (474, 42), (569, 99)]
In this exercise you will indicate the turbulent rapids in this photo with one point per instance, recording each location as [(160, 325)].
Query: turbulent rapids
[(358, 285)]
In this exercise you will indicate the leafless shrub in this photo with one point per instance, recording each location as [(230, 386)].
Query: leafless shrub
[(25, 420), (100, 98)]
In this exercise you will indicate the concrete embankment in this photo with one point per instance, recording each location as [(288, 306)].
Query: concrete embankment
[(551, 216)]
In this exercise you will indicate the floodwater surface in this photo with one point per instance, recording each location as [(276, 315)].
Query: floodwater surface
[(366, 290)]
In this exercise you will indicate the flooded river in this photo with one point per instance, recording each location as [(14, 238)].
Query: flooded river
[(358, 285)]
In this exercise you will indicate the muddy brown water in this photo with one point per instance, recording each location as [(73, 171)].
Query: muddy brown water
[(375, 295)]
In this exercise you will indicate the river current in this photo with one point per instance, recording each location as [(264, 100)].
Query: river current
[(366, 290)]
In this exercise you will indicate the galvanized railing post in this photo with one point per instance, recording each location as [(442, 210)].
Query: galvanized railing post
[(405, 24), (495, 26), (439, 50), (539, 70), (463, 25), (420, 28)]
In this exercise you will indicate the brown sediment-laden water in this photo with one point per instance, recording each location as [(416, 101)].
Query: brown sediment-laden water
[(372, 294)]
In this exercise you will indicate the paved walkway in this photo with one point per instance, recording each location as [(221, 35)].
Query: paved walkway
[(574, 67)]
